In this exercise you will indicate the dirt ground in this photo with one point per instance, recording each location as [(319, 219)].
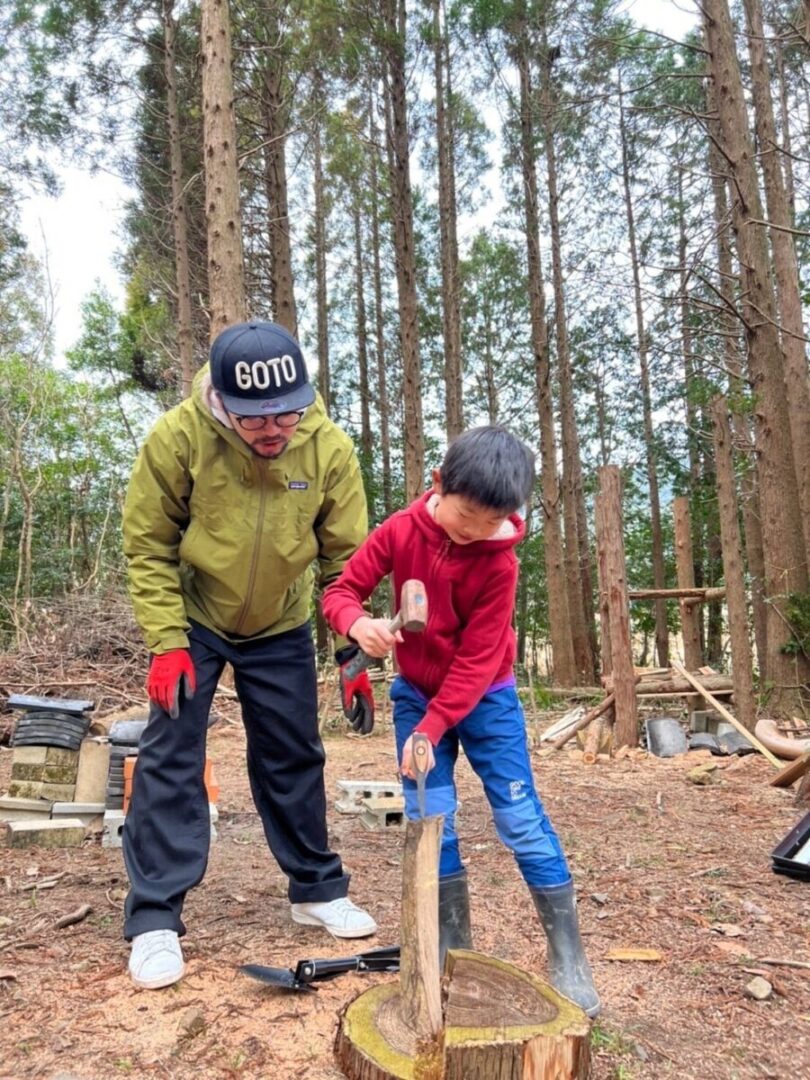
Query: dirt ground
[(660, 863)]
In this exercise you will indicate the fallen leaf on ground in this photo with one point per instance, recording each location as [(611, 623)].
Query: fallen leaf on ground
[(727, 929)]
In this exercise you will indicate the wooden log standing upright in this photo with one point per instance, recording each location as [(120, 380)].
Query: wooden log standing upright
[(601, 566), (685, 567), (742, 662), (624, 676), (499, 1023)]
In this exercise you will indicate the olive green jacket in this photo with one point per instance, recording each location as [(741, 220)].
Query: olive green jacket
[(214, 533)]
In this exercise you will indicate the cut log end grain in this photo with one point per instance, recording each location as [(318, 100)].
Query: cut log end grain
[(499, 1022)]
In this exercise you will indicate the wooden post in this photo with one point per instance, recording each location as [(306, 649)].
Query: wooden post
[(624, 676), (604, 614), (684, 563), (741, 658)]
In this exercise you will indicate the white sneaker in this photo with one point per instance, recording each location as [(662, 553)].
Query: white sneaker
[(340, 917), (156, 959)]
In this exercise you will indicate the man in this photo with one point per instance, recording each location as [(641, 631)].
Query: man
[(234, 495)]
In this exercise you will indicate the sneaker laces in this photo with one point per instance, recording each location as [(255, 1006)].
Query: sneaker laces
[(159, 941)]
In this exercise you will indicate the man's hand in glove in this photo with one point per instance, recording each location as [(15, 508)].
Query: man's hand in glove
[(166, 673), (356, 694)]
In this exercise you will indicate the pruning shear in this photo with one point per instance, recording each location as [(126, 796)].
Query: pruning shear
[(307, 972)]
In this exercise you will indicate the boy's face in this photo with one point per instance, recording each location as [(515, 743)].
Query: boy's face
[(463, 520)]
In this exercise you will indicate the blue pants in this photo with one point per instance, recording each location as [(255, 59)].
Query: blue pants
[(493, 736), (167, 829)]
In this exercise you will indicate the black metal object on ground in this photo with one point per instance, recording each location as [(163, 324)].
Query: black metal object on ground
[(665, 736), (792, 855)]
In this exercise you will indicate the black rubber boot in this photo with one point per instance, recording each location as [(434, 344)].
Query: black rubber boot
[(569, 970), (454, 914)]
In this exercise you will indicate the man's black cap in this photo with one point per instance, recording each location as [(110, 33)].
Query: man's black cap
[(258, 368)]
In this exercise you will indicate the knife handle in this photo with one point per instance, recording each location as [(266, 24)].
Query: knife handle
[(420, 754)]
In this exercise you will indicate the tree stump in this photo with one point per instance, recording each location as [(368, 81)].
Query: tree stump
[(491, 1022), (500, 1023)]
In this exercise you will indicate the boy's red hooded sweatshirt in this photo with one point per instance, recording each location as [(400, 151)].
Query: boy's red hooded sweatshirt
[(468, 645)]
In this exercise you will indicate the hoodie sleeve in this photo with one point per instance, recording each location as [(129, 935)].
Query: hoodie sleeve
[(343, 600), (479, 656)]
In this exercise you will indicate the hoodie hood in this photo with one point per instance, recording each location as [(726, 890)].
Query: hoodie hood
[(509, 535)]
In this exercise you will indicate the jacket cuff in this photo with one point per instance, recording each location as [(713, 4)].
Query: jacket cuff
[(168, 644)]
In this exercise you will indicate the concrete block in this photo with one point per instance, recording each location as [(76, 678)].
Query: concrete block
[(91, 777), (352, 793), (90, 814), (67, 832), (24, 809), (384, 813), (111, 835)]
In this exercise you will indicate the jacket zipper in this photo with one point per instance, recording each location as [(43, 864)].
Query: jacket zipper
[(254, 562)]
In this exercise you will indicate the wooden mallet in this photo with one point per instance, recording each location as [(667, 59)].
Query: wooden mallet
[(412, 615)]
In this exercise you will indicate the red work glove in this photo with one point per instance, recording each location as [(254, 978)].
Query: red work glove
[(356, 694), (165, 675)]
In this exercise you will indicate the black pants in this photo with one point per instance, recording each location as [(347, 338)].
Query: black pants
[(167, 830)]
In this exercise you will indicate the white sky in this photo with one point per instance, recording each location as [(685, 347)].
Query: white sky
[(78, 231)]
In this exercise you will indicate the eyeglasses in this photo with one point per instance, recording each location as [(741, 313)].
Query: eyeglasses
[(256, 423)]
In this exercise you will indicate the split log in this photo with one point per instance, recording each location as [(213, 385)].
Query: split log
[(419, 927), (501, 1023), (719, 707), (678, 684), (594, 736)]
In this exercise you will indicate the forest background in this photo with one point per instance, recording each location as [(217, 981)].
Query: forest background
[(633, 291)]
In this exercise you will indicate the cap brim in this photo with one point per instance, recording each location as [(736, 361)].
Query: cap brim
[(292, 402)]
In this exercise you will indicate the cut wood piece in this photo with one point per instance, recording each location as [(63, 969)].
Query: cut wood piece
[(419, 928), (726, 714), (501, 1023), (584, 721), (597, 738), (791, 773)]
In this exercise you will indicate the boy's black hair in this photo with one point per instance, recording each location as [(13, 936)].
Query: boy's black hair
[(491, 467)]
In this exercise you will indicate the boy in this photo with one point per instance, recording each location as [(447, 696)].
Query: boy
[(456, 684)]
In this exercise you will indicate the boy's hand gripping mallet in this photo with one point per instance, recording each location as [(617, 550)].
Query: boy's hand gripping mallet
[(412, 615)]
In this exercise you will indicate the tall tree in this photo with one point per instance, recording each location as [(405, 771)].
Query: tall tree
[(448, 230), (651, 454), (786, 274), (226, 281), (185, 330), (394, 26), (559, 619), (785, 563)]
